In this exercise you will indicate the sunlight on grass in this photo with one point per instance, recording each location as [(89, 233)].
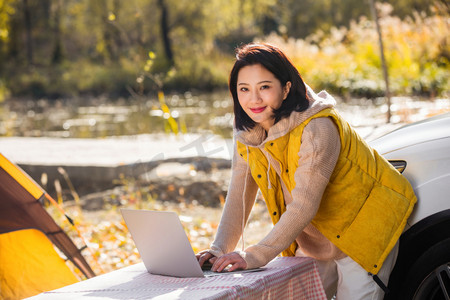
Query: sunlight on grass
[(112, 246)]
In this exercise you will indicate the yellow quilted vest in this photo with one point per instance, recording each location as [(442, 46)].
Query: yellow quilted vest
[(364, 207)]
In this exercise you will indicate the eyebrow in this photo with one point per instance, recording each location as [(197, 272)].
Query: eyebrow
[(264, 81)]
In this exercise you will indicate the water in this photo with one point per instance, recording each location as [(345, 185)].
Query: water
[(186, 113), (100, 117)]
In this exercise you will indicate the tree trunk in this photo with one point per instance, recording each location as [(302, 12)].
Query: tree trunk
[(13, 43), (57, 55), (116, 30), (383, 60), (29, 41), (165, 31)]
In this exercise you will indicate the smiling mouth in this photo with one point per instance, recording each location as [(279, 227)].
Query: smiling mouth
[(258, 110)]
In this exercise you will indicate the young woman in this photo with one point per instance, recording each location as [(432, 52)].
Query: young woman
[(330, 196)]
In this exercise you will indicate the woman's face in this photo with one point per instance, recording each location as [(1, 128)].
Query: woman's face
[(260, 93)]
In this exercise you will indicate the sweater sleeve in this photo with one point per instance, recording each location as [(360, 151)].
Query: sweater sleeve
[(237, 207), (318, 155)]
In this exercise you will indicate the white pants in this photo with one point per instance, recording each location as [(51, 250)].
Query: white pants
[(347, 280)]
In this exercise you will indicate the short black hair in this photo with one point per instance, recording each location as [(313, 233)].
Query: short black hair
[(275, 61)]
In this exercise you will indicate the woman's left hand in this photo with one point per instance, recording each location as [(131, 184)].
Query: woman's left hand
[(234, 259)]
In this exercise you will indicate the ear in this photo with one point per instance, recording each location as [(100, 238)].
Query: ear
[(286, 89)]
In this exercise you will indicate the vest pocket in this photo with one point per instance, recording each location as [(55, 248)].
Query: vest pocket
[(375, 227), (382, 211)]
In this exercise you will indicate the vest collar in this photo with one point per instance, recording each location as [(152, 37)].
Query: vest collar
[(257, 136)]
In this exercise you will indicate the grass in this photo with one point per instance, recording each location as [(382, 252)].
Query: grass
[(111, 244)]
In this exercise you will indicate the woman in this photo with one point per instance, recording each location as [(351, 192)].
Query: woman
[(330, 196)]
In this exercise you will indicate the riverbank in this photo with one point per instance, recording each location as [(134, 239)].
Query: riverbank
[(98, 165), (191, 167), (188, 174), (95, 165)]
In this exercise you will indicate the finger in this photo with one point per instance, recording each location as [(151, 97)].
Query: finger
[(218, 262), (225, 263), (233, 268), (203, 258), (234, 262), (212, 259), (222, 266), (202, 252)]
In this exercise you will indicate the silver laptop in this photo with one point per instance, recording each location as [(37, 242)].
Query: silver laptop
[(163, 244)]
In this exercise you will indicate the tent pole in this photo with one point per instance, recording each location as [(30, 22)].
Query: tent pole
[(76, 229)]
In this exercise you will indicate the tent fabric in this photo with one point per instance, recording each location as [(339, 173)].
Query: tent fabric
[(30, 265), (21, 177), (21, 208)]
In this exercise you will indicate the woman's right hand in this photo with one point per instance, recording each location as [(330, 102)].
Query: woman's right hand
[(205, 256)]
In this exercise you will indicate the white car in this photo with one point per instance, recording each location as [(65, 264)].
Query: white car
[(421, 151)]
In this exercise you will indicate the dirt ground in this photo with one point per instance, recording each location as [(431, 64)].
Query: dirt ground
[(197, 197)]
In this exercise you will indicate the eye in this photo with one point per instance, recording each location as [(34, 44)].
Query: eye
[(265, 87), (243, 89)]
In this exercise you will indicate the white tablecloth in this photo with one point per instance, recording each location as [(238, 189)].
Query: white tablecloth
[(283, 278)]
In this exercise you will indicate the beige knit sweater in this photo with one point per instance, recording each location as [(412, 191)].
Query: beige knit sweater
[(317, 159)]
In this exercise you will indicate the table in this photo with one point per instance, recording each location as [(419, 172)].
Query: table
[(283, 278)]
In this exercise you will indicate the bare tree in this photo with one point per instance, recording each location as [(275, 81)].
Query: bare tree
[(383, 59), (57, 55), (29, 40), (165, 31)]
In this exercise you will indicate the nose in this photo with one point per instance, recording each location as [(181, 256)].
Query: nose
[(256, 97)]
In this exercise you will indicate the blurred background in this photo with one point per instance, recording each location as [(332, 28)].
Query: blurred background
[(76, 75), (104, 62)]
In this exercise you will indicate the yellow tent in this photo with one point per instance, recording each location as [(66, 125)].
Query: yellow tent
[(29, 264)]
